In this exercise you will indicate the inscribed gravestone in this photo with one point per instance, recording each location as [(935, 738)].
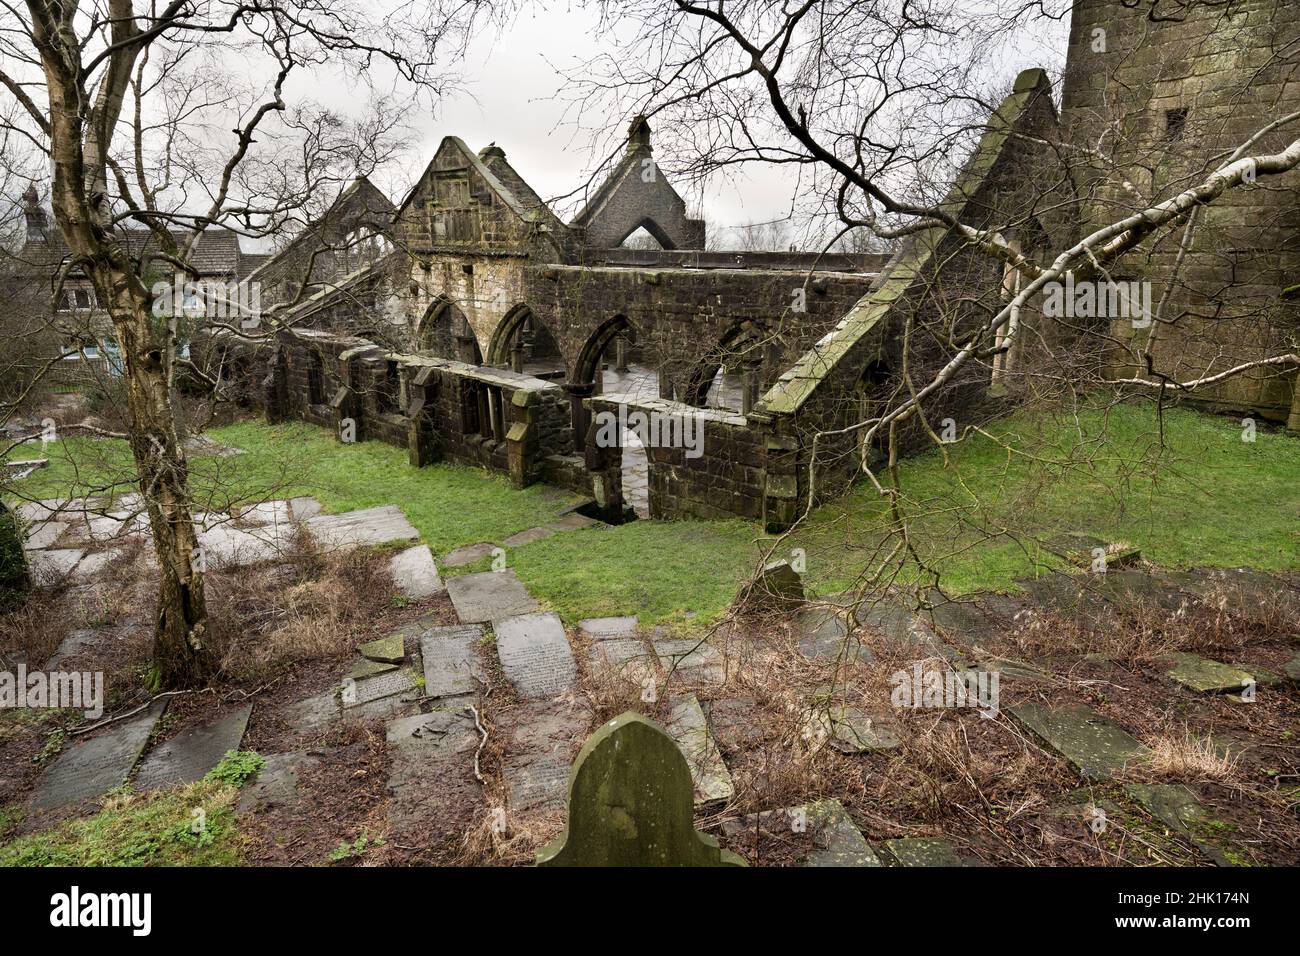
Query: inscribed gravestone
[(535, 654)]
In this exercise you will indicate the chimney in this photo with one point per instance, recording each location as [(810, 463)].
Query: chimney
[(35, 215), (638, 135)]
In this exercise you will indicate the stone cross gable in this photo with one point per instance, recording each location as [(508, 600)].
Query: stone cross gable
[(631, 803)]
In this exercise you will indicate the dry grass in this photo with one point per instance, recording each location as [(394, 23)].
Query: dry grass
[(313, 605), (1186, 757)]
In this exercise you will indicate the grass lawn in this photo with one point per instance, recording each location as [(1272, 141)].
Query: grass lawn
[(1203, 498), (451, 505)]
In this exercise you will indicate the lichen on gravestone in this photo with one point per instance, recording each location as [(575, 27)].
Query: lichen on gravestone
[(631, 803)]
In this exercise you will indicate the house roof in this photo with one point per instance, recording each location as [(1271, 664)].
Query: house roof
[(215, 253)]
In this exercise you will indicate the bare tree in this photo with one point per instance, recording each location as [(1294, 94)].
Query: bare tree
[(126, 100)]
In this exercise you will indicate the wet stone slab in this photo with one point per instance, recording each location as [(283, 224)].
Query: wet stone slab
[(90, 768), (608, 628), (689, 728), (365, 528), (468, 555), (186, 757), (692, 659), (489, 596), (451, 659), (1092, 745), (535, 654), (415, 573), (1206, 676)]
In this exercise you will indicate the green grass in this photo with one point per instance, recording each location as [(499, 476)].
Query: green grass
[(450, 505), (1203, 498), (192, 825)]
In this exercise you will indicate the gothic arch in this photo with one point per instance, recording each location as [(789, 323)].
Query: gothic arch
[(743, 340)]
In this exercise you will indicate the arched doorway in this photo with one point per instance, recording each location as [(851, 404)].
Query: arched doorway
[(522, 343), (445, 332), (730, 375)]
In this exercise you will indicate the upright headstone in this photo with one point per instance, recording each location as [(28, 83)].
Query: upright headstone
[(631, 803)]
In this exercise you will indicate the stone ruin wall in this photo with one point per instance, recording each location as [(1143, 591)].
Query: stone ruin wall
[(1228, 67)]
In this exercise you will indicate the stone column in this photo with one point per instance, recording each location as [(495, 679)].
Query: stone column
[(522, 441), (517, 355), (620, 354), (1293, 420), (577, 392), (275, 387), (421, 435)]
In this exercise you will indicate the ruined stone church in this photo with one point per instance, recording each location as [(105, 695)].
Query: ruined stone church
[(483, 329)]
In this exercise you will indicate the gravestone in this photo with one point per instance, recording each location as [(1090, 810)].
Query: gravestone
[(365, 528), (688, 726), (836, 839), (1094, 746), (489, 596), (13, 563), (415, 573), (539, 754), (450, 663), (385, 650), (193, 752), (535, 655), (93, 767), (631, 804)]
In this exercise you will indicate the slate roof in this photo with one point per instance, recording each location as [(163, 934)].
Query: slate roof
[(215, 254)]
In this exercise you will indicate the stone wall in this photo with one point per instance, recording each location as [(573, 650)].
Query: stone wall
[(1168, 91)]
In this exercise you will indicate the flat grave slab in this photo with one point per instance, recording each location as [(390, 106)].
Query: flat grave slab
[(539, 753), (451, 659), (924, 851), (277, 783), (1092, 745), (53, 562), (836, 839), (43, 535), (1206, 676), (468, 554), (489, 596), (415, 573), (527, 537), (688, 726), (90, 768), (608, 628), (365, 528), (535, 654), (186, 757)]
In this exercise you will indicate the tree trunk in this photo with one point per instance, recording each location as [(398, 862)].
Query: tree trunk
[(182, 653)]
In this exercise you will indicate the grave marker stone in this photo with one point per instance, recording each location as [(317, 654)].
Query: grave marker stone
[(631, 804), (535, 654)]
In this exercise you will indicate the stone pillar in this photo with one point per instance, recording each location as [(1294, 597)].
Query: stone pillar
[(517, 355), (1293, 420), (780, 483), (522, 441), (749, 385), (421, 433), (665, 385), (577, 392), (620, 354), (275, 387), (605, 466)]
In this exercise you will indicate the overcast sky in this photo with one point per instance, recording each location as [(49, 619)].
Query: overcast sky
[(511, 78)]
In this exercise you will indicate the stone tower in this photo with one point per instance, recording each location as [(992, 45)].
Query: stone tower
[(1157, 94)]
